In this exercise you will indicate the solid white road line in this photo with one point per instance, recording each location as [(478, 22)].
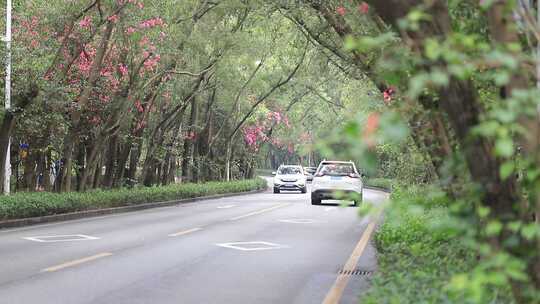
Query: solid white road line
[(259, 211), (226, 206), (184, 232), (77, 262)]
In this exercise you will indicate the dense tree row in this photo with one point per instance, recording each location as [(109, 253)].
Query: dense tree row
[(109, 93)]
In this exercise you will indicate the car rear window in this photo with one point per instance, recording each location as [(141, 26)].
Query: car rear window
[(289, 170), (337, 169)]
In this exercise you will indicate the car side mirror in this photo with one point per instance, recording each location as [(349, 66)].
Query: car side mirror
[(273, 172)]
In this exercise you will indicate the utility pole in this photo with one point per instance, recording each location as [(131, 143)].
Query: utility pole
[(7, 105)]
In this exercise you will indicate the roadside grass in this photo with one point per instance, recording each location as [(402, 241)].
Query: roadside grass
[(420, 251), (384, 183), (33, 204), (264, 172)]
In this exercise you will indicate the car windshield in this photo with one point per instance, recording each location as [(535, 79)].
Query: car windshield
[(311, 170), (289, 170), (337, 169)]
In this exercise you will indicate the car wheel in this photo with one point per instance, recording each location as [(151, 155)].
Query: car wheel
[(276, 190), (315, 200), (303, 190), (357, 202)]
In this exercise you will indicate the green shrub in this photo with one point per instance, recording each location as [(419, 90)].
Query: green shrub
[(421, 251), (24, 205)]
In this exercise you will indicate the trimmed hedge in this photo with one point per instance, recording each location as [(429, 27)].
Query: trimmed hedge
[(416, 261), (418, 253), (32, 204)]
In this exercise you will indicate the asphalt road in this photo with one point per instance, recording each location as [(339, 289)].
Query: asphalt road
[(289, 252)]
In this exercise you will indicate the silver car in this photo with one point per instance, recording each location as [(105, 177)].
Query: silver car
[(334, 177), (290, 178)]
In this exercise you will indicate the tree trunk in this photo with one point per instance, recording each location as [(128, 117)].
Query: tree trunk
[(228, 153), (21, 101), (8, 123), (110, 160), (134, 160), (63, 180), (189, 144), (120, 173)]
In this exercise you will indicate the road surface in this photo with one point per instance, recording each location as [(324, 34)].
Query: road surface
[(259, 248)]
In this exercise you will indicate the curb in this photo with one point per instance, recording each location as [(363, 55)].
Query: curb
[(97, 212), (378, 189)]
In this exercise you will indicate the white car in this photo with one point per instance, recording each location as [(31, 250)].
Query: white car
[(336, 177), (289, 178)]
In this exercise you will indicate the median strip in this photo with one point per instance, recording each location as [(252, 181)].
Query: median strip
[(184, 232), (335, 293), (260, 211), (77, 262)]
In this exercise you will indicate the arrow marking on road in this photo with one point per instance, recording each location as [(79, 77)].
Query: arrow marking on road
[(183, 232), (77, 262), (259, 211), (61, 238), (252, 246)]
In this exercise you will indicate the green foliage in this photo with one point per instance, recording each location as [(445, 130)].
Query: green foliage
[(423, 256), (23, 205)]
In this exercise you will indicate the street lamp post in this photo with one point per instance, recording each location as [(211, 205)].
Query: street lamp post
[(7, 105)]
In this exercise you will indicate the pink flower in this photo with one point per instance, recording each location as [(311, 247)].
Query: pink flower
[(86, 22), (150, 23), (341, 10), (123, 69), (151, 63), (34, 44), (388, 95), (105, 72), (130, 30), (104, 98), (363, 8), (113, 18), (139, 106)]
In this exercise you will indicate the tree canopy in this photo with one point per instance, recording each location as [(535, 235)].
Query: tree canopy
[(113, 93)]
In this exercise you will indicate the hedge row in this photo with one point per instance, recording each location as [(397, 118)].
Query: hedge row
[(418, 257), (24, 205), (414, 263)]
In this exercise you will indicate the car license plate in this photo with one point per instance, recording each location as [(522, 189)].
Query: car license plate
[(335, 177), (289, 185)]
